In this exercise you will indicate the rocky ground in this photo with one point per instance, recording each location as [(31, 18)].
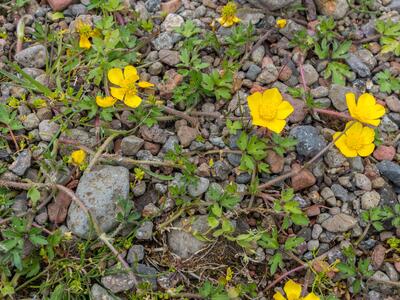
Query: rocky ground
[(157, 177)]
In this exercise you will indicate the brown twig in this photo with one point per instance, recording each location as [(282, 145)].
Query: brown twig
[(332, 113), (181, 114), (100, 151), (13, 137)]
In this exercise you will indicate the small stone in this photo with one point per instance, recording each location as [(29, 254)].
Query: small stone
[(268, 75), (328, 195), (203, 170), (58, 5), (198, 188), (275, 162), (171, 6), (153, 5), (169, 57), (258, 54), (313, 211), (362, 182), (139, 189), (370, 200), (181, 240), (313, 245), (390, 171), (100, 293), (75, 10), (334, 158), (271, 4), (171, 22), (302, 180), (135, 254), (145, 231), (357, 65), (48, 130), (141, 10), (173, 80), (253, 72), (337, 94), (310, 74), (222, 170), (384, 152), (22, 163), (320, 92), (393, 103), (163, 41), (31, 121), (337, 9), (309, 141), (186, 135), (32, 57), (300, 109), (130, 145), (339, 223), (150, 211), (387, 125), (154, 134), (316, 232), (155, 68), (340, 192)]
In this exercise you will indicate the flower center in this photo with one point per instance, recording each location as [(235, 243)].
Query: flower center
[(354, 142), (229, 10), (131, 89), (267, 113)]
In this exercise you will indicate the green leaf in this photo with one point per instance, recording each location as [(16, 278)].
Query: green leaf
[(7, 245), (275, 262), (340, 51), (38, 240), (34, 195), (293, 242), (212, 222), (216, 210), (299, 219), (242, 141), (346, 270)]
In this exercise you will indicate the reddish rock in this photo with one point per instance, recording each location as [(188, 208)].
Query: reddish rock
[(384, 152), (285, 73), (186, 135), (210, 4), (173, 80), (267, 61), (59, 4), (393, 103), (275, 161), (300, 109), (171, 6), (378, 256), (203, 170), (256, 88), (153, 148), (313, 211), (302, 180)]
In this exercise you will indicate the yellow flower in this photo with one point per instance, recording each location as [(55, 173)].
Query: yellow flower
[(366, 110), (293, 292), (105, 101), (357, 140), (228, 15), (78, 157), (126, 82), (281, 23), (269, 109), (139, 174), (85, 32)]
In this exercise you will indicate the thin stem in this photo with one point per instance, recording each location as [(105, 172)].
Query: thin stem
[(99, 152), (332, 113)]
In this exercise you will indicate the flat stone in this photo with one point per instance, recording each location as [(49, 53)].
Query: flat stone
[(339, 223), (383, 152), (309, 141), (302, 180), (390, 170), (337, 9), (186, 135), (172, 22), (370, 200), (199, 188), (22, 163), (48, 130), (130, 145), (100, 293), (32, 57), (99, 190), (271, 4)]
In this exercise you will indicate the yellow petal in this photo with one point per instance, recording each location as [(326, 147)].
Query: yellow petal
[(311, 296), (254, 102), (292, 290), (105, 101), (284, 110), (116, 77), (378, 111), (366, 150), (276, 125), (273, 97), (351, 103), (355, 129), (228, 23), (132, 101), (236, 19), (221, 20), (145, 84), (84, 42), (342, 146), (118, 93), (368, 135), (279, 296), (366, 101), (130, 74)]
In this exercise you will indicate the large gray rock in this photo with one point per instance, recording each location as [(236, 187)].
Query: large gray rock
[(22, 163), (357, 65), (339, 223), (309, 141), (48, 129), (390, 171), (271, 4), (130, 145), (336, 8), (32, 57), (181, 240), (100, 293), (99, 190)]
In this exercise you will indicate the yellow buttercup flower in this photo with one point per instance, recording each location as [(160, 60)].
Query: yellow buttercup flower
[(269, 109), (293, 292), (107, 101), (281, 23), (85, 32), (127, 90), (366, 110), (228, 15), (357, 140), (78, 157)]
